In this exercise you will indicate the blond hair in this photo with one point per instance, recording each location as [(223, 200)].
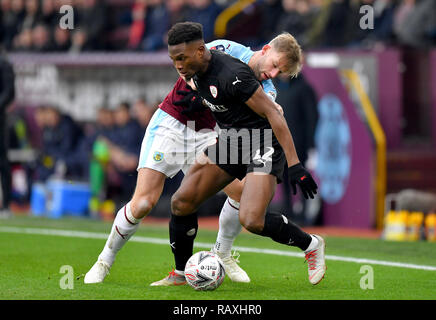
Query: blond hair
[(287, 44)]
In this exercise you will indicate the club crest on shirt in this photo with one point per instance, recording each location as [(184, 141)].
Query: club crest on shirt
[(213, 91), (219, 47), (158, 156)]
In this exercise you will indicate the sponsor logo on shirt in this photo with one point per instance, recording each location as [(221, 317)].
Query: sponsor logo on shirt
[(213, 91), (215, 108)]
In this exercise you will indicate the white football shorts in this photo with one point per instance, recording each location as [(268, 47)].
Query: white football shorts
[(170, 146)]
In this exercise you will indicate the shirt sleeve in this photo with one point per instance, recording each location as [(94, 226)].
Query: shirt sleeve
[(269, 89), (243, 83)]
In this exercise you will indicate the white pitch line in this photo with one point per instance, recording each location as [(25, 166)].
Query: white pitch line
[(95, 235)]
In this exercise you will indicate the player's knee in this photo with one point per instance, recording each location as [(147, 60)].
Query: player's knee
[(141, 206), (234, 190), (180, 206), (250, 222)]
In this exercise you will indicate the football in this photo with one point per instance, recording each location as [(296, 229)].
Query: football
[(204, 271)]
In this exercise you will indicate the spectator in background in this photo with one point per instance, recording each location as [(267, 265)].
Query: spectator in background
[(245, 26), (319, 14), (329, 23), (383, 24), (50, 16), (137, 27), (60, 138), (7, 95), (33, 15), (105, 125), (19, 11), (61, 39), (91, 25), (39, 115), (204, 12), (12, 15), (270, 11), (124, 149), (23, 41), (295, 19), (93, 154), (404, 8), (415, 23), (143, 112), (41, 40), (336, 24), (128, 133), (8, 28), (177, 10), (384, 11), (157, 22), (95, 157), (79, 42), (300, 106)]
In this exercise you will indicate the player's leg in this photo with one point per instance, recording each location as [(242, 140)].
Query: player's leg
[(229, 228), (257, 194), (148, 189), (159, 141), (201, 182)]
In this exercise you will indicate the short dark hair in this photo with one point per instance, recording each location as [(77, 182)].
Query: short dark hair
[(184, 32), (124, 105)]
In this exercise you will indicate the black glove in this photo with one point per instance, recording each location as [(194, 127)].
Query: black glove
[(191, 101), (297, 174)]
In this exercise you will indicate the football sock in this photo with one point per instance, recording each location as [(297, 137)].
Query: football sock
[(284, 231), (229, 227), (312, 244), (183, 230), (124, 226)]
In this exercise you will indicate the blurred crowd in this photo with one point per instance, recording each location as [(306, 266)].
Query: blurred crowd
[(103, 152), (141, 25)]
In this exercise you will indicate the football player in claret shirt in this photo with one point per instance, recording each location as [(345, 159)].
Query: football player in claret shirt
[(241, 108)]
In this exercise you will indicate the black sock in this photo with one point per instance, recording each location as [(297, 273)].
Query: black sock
[(183, 230), (282, 230)]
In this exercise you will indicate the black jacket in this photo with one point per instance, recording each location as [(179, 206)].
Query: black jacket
[(7, 84), (300, 105), (7, 95)]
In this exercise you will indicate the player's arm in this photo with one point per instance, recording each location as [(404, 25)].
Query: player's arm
[(297, 174), (260, 103)]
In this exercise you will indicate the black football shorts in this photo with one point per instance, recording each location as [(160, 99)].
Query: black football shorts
[(243, 151)]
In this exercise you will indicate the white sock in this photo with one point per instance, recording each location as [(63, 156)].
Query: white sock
[(312, 244), (229, 227), (124, 226)]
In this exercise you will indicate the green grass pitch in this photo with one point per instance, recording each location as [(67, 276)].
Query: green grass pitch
[(30, 267)]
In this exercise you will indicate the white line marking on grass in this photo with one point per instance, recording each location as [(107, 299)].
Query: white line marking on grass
[(95, 235)]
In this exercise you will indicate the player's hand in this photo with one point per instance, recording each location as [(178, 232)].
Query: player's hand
[(297, 174), (191, 101)]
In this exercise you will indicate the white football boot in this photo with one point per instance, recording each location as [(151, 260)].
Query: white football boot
[(97, 273), (172, 279), (233, 270), (316, 262)]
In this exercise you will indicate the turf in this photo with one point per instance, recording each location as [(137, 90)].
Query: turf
[(30, 267)]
